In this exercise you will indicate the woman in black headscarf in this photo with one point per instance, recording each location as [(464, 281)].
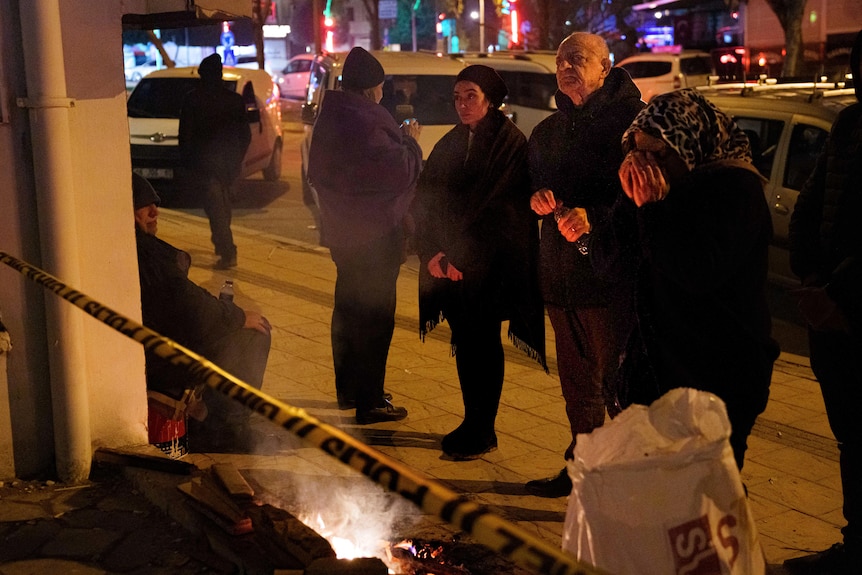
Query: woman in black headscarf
[(478, 245), (694, 225)]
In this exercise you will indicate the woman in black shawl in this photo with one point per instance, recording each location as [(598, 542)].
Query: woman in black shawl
[(478, 245)]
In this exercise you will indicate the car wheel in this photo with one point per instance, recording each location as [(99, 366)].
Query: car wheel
[(273, 171)]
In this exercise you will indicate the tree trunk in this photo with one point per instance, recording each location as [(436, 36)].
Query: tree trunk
[(372, 11), (790, 14), (260, 12), (157, 42)]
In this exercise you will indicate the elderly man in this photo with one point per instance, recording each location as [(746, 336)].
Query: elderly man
[(236, 340), (364, 169), (574, 156)]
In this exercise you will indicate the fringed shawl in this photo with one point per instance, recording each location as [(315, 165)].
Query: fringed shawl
[(476, 209)]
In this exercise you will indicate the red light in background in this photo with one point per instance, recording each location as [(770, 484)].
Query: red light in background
[(515, 37)]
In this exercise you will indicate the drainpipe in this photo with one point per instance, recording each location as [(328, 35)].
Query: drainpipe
[(49, 110)]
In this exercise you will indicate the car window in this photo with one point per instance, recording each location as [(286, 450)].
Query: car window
[(425, 97), (316, 82), (297, 66), (530, 89), (163, 97), (806, 142), (697, 66), (763, 135), (647, 69)]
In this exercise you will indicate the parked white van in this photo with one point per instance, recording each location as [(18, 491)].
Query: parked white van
[(153, 110)]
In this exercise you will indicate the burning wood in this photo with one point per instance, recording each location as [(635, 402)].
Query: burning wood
[(416, 557)]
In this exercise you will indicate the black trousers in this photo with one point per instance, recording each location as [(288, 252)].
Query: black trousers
[(835, 362), (363, 317), (480, 363), (243, 353), (218, 206)]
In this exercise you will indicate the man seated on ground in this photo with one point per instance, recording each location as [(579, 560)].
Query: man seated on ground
[(236, 340)]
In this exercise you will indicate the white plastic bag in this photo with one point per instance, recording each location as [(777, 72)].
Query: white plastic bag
[(657, 492)]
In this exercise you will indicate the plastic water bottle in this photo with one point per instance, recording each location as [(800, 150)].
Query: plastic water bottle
[(226, 293)]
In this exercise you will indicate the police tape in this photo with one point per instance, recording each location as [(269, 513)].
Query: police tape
[(487, 528)]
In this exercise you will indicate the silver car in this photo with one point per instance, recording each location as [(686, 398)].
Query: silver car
[(787, 125)]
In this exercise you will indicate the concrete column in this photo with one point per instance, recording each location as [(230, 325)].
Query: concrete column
[(50, 109)]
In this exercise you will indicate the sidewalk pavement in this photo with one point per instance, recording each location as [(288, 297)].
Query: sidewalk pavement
[(791, 469)]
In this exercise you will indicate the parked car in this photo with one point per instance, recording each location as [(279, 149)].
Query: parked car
[(531, 79), (293, 79), (417, 85), (659, 72), (138, 71), (787, 125), (153, 111)]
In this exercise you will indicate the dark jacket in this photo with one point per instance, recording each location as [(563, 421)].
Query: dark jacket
[(177, 308), (363, 169), (825, 234), (701, 283), (214, 133), (476, 209), (576, 153)]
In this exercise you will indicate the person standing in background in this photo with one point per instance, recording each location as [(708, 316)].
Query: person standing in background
[(214, 135), (574, 155), (825, 252), (478, 248), (364, 169)]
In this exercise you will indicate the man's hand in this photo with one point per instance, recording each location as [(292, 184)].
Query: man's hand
[(543, 202), (254, 320), (413, 129), (573, 224), (642, 179)]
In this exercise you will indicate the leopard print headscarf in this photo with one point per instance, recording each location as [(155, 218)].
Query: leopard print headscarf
[(693, 127)]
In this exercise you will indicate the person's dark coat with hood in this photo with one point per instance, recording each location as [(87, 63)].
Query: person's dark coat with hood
[(582, 171), (826, 254)]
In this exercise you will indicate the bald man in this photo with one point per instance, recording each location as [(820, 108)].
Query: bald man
[(574, 155)]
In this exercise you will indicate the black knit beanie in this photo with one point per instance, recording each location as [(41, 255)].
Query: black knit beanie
[(488, 80), (361, 70), (143, 192), (210, 68)]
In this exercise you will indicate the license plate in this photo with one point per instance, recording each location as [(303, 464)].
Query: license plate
[(155, 173)]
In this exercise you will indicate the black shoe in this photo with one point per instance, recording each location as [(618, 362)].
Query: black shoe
[(380, 414), (461, 445), (225, 263), (833, 561), (345, 402), (557, 486)]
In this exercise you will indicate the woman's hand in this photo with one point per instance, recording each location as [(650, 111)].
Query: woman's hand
[(642, 178), (440, 268), (573, 224), (543, 202)]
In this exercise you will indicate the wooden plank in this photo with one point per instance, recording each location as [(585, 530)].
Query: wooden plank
[(233, 481), (217, 506)]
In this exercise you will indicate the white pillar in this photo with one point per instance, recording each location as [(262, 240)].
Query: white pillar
[(50, 110)]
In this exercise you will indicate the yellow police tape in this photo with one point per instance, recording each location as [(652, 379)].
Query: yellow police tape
[(505, 538)]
